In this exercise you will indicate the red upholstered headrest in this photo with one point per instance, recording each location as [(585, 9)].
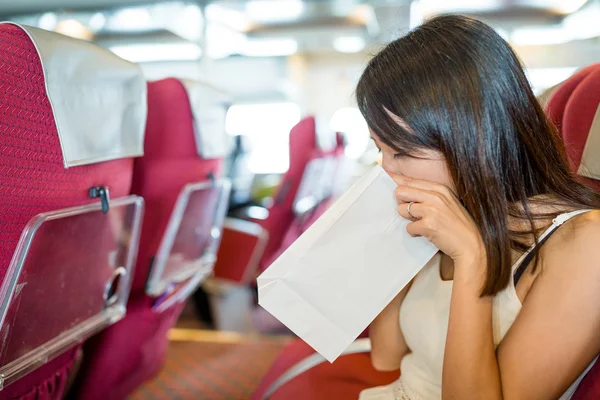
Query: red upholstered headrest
[(171, 161), (579, 129), (97, 99), (170, 127), (303, 148), (555, 107), (33, 177)]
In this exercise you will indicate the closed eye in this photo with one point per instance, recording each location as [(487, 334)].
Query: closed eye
[(396, 156)]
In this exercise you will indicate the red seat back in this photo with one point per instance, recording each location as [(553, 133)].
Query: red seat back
[(133, 350), (579, 115), (557, 103), (303, 147), (34, 179), (579, 112), (170, 162)]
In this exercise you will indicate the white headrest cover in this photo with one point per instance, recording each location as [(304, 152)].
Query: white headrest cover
[(326, 140), (98, 99), (590, 161), (209, 109)]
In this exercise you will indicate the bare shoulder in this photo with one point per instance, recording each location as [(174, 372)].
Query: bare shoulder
[(575, 245)]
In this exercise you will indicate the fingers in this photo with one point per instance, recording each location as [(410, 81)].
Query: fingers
[(417, 211), (418, 228), (405, 181), (406, 194)]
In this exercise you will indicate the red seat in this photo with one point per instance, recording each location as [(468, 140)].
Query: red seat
[(240, 265), (133, 350), (33, 174), (556, 105), (324, 183), (344, 379), (303, 146), (239, 247)]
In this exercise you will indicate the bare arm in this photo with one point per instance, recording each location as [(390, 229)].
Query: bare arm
[(387, 342), (552, 340), (554, 337)]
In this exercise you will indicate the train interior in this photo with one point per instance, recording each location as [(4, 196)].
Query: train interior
[(158, 156)]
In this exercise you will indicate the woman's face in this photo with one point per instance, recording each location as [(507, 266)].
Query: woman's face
[(429, 166)]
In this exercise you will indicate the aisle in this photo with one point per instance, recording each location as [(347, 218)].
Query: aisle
[(212, 365)]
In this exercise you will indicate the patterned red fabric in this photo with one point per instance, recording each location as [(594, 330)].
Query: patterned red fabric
[(32, 176), (578, 117), (555, 107), (170, 162), (132, 351), (50, 379), (128, 353), (344, 379)]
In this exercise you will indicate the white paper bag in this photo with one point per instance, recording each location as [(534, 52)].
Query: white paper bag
[(337, 277)]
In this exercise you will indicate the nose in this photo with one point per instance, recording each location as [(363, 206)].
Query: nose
[(387, 166)]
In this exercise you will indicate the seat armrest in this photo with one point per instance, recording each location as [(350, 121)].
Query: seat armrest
[(359, 346)]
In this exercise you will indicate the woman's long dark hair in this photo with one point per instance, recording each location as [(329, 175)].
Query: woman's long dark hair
[(462, 91)]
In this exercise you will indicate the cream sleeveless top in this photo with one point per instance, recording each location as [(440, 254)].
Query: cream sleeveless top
[(424, 316)]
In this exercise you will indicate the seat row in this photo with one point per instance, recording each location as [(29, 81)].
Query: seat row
[(114, 210), (86, 145)]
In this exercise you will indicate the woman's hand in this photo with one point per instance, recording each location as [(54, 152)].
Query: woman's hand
[(438, 216)]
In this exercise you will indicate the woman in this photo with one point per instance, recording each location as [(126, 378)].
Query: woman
[(483, 175)]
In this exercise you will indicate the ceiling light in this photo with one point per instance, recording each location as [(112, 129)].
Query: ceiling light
[(140, 53), (441, 6), (73, 28), (270, 47), (48, 21), (564, 6), (187, 22), (539, 36), (365, 15), (97, 22), (228, 17), (131, 19), (274, 10), (349, 44), (223, 41)]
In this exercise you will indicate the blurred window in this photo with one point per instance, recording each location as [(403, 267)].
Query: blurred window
[(267, 127), (350, 122)]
